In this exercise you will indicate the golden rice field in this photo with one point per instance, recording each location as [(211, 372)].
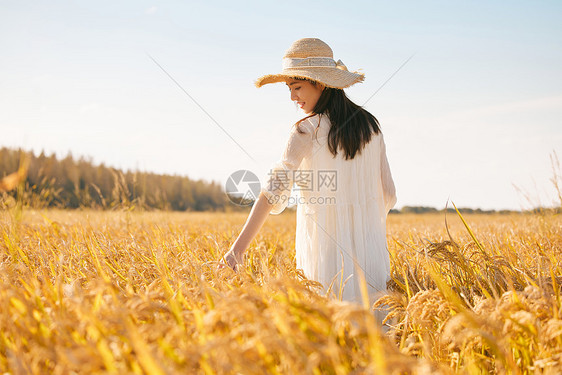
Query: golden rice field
[(89, 292)]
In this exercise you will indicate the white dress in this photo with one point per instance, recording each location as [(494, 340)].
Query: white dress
[(341, 209)]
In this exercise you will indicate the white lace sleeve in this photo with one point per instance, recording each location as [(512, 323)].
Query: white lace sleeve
[(388, 188), (280, 178)]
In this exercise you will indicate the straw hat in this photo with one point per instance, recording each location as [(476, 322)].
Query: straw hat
[(313, 59)]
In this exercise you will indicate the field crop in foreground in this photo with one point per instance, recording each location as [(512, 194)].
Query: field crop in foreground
[(116, 292)]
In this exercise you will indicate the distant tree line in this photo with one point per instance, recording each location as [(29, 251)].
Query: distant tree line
[(425, 209), (78, 183)]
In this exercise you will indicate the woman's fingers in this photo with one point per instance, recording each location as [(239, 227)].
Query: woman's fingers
[(222, 264), (228, 260)]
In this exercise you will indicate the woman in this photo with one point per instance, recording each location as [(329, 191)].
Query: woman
[(336, 156)]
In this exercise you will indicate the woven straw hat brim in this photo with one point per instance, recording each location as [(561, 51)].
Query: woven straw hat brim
[(328, 76)]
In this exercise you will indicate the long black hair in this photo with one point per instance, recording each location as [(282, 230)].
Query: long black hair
[(352, 125)]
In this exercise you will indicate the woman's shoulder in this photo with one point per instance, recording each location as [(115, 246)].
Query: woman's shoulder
[(317, 121), (306, 125)]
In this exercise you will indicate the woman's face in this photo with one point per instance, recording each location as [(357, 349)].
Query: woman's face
[(305, 94)]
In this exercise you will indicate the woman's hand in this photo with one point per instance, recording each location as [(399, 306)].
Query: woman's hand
[(231, 260), (258, 214)]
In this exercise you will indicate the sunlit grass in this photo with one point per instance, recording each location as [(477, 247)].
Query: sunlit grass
[(128, 292)]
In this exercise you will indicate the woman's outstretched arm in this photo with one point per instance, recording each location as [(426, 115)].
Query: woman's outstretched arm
[(260, 210), (277, 189)]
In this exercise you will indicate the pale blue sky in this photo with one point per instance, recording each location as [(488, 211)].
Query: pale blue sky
[(477, 109)]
